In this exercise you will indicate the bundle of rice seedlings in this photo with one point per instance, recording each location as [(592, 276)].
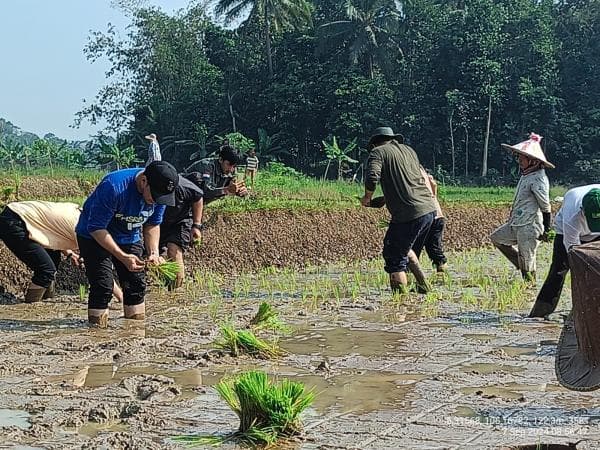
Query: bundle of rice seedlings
[(383, 223), (267, 411), (164, 273), (267, 318), (239, 342)]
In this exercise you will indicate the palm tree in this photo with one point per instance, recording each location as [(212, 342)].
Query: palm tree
[(273, 14), (367, 31)]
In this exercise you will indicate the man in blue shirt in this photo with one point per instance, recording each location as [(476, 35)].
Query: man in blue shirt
[(126, 204)]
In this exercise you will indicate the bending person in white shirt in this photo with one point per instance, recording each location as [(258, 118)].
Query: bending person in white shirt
[(577, 221)]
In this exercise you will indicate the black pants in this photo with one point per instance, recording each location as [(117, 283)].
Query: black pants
[(400, 238), (99, 270), (179, 233), (549, 295), (42, 261), (433, 243)]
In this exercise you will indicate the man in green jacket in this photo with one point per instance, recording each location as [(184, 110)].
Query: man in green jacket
[(408, 199)]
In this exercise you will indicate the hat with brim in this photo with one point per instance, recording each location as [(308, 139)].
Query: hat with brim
[(578, 351), (151, 137), (387, 132), (531, 148), (163, 179)]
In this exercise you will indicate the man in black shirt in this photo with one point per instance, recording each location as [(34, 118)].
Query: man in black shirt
[(218, 175), (182, 223)]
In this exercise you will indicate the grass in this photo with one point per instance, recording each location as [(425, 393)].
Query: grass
[(268, 411), (240, 342)]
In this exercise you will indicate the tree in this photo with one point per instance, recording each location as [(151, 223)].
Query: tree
[(368, 31), (117, 156), (275, 15)]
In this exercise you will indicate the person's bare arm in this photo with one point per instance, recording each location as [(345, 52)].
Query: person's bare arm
[(151, 240)]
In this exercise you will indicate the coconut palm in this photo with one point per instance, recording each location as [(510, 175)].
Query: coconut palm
[(273, 14), (368, 31)]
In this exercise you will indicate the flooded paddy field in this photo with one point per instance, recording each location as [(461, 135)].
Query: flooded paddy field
[(460, 367)]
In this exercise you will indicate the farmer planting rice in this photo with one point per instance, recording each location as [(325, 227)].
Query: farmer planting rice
[(434, 242), (577, 222), (396, 167), (109, 232), (182, 223), (530, 215), (218, 175), (38, 233)]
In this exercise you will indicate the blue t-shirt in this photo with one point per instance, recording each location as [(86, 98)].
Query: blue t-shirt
[(118, 207)]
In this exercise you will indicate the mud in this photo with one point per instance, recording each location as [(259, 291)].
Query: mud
[(417, 372)]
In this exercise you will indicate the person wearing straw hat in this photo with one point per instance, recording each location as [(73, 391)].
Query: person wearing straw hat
[(530, 215), (408, 199), (577, 222), (153, 149)]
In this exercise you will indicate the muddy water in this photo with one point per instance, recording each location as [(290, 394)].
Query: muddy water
[(388, 375)]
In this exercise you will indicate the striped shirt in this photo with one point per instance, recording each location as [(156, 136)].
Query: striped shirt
[(251, 163)]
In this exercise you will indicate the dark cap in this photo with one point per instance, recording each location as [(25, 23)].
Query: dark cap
[(228, 153), (163, 179)]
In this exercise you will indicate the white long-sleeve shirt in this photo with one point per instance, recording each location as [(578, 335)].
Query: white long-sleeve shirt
[(570, 220), (153, 152)]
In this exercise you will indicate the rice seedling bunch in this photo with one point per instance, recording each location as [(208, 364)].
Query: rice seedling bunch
[(164, 273), (239, 342), (267, 411), (267, 318), (383, 224)]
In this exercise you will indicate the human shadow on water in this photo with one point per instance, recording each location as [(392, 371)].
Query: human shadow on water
[(39, 325)]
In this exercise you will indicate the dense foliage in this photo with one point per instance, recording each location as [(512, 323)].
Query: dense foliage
[(437, 71)]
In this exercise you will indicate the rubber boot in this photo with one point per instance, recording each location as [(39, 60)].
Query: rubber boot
[(50, 291), (415, 269), (34, 293), (398, 283), (511, 254), (100, 321)]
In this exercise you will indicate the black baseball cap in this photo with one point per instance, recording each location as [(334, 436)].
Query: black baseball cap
[(163, 179)]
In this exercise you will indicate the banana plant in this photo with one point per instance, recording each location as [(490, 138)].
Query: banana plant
[(336, 153)]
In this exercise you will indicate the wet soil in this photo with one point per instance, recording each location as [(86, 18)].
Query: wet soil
[(389, 374)]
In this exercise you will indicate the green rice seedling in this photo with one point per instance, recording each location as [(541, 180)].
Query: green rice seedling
[(383, 224), (267, 411), (164, 273), (239, 342), (83, 292), (267, 318)]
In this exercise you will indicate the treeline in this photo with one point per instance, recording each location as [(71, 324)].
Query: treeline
[(457, 78)]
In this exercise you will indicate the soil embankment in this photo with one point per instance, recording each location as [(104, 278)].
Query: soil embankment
[(249, 241)]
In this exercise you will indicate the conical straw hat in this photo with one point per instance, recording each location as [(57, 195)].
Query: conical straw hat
[(531, 148)]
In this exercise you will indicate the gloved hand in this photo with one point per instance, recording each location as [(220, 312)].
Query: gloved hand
[(547, 221)]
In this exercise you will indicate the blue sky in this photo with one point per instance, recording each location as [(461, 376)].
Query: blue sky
[(44, 74)]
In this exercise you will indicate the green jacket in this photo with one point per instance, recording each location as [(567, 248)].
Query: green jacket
[(396, 166)]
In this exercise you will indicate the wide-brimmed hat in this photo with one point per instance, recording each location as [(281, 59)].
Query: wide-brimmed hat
[(385, 131), (163, 179), (151, 137), (578, 352), (531, 148)]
